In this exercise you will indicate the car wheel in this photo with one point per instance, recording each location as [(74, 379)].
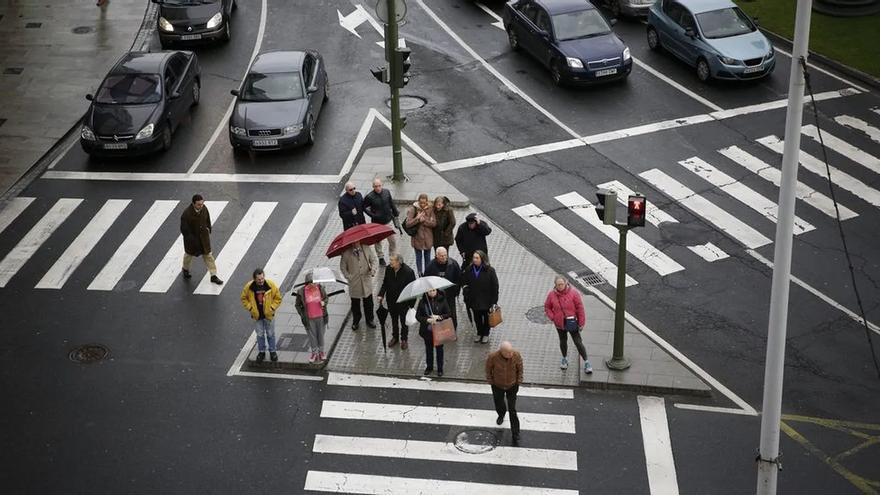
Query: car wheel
[(556, 73), (311, 137), (197, 93), (614, 6), (653, 39), (166, 137), (227, 32), (704, 74), (513, 39)]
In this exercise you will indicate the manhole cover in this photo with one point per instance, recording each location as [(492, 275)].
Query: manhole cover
[(537, 315), (89, 353), (409, 102), (476, 441), (82, 30)]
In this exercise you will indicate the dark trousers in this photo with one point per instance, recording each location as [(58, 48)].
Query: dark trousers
[(451, 302), (429, 353), (499, 394), (481, 320), (399, 330), (356, 309), (576, 338)]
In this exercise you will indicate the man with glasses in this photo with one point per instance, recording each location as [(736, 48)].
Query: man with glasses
[(351, 207), (379, 206)]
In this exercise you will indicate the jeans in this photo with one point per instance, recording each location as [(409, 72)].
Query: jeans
[(209, 262), (356, 309), (429, 353), (576, 338), (499, 394), (481, 320), (265, 330), (399, 328), (423, 258), (315, 331)]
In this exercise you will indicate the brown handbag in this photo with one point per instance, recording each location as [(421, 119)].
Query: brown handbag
[(443, 332), (495, 317)]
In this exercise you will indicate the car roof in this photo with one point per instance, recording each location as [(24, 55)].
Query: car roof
[(142, 62), (554, 7), (700, 6), (278, 61)]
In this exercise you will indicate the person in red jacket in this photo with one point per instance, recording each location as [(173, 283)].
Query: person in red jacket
[(565, 309)]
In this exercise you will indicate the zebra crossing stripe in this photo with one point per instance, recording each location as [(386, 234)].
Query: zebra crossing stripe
[(35, 238), (859, 125), (475, 418), (659, 460), (802, 191), (169, 268), (565, 460), (653, 215), (866, 160), (13, 209), (580, 250), (700, 206), (376, 381), (292, 241), (741, 192), (368, 484), (816, 166), (133, 245), (635, 244), (87, 239), (709, 252), (237, 245)]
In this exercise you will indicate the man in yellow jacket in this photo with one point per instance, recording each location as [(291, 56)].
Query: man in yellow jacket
[(261, 298)]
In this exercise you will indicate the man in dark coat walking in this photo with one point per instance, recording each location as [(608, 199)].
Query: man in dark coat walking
[(397, 276), (351, 207), (195, 226), (471, 237), (444, 266), (380, 207)]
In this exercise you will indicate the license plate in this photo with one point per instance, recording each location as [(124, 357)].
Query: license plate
[(605, 72), (115, 146), (265, 142), (752, 70), (187, 37)]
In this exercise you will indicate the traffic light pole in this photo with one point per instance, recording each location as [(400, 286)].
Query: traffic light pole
[(391, 38), (617, 361)]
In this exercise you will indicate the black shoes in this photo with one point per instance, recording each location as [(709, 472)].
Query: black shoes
[(499, 420), (393, 342), (216, 280), (273, 356), (371, 324), (428, 371), (187, 275), (261, 356), (440, 373), (354, 326)]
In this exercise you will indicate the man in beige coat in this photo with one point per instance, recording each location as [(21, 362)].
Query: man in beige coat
[(358, 265)]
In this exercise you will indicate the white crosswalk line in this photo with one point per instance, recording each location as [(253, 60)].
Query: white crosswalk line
[(367, 484), (741, 192), (816, 166), (635, 244), (659, 461), (376, 381), (445, 452), (35, 238), (700, 206), (292, 241), (476, 418), (582, 251), (168, 269), (12, 210), (87, 239), (653, 215), (237, 245), (859, 125), (864, 159), (709, 252), (133, 245), (802, 191)]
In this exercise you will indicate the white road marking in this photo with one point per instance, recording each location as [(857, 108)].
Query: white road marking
[(237, 245), (376, 381), (168, 270), (279, 376), (653, 215), (827, 73), (14, 207), (359, 16), (510, 155), (741, 192), (133, 245), (816, 166), (565, 460), (669, 81), (571, 243), (293, 240), (700, 206), (62, 154), (200, 177), (235, 369), (773, 105), (859, 125), (866, 160), (415, 148), (35, 238), (659, 461), (709, 252), (852, 314), (87, 239), (802, 191), (432, 415), (499, 22), (635, 244), (368, 484), (722, 410)]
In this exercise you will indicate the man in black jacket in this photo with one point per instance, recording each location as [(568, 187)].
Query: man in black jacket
[(471, 237), (397, 276), (444, 266), (379, 206), (351, 207)]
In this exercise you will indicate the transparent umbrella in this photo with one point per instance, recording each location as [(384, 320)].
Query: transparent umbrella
[(421, 285)]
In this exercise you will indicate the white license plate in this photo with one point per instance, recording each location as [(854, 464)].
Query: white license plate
[(265, 142), (606, 72), (751, 70), (115, 146), (187, 37)]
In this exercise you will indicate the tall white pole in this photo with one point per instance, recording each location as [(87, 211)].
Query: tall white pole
[(771, 415)]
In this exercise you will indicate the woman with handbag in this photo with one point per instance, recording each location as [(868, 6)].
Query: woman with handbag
[(421, 216), (565, 309), (311, 304), (482, 293), (432, 309)]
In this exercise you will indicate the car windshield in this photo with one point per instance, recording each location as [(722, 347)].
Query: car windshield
[(581, 24), (129, 89), (724, 23), (272, 87)]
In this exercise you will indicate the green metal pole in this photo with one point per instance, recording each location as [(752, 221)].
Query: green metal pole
[(617, 361), (390, 47)]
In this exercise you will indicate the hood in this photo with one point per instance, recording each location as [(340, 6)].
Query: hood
[(742, 47), (106, 120), (269, 114), (195, 13), (595, 48)]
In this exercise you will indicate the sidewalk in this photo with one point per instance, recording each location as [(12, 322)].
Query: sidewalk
[(56, 51), (524, 280)]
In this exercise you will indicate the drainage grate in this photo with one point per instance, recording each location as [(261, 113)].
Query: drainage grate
[(13, 70), (589, 278), (476, 441), (33, 25), (537, 315), (88, 353), (82, 30)]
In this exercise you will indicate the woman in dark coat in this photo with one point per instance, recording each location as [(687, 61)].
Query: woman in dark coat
[(481, 293), (431, 309), (444, 231)]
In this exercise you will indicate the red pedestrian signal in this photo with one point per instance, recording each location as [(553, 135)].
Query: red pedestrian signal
[(636, 211)]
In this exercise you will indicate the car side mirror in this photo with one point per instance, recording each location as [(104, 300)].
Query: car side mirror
[(90, 97), (690, 33), (613, 21), (234, 92), (312, 89), (755, 21)]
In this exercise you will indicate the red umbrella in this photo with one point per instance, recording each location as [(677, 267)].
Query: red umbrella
[(366, 233)]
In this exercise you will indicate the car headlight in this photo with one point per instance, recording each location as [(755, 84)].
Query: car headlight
[(87, 133), (215, 21), (574, 63), (626, 55), (771, 52), (238, 131), (164, 25), (728, 60), (146, 132), (293, 129)]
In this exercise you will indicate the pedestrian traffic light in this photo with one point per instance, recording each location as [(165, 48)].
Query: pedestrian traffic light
[(400, 70), (607, 206), (380, 73), (635, 210)]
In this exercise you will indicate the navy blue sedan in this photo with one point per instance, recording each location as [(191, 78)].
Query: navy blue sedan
[(570, 37)]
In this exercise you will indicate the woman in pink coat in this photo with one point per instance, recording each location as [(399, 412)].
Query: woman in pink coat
[(565, 309)]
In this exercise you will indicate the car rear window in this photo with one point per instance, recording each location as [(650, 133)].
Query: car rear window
[(272, 87), (129, 89), (581, 24), (725, 23)]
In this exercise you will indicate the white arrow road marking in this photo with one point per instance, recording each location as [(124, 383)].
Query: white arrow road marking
[(499, 23), (360, 15)]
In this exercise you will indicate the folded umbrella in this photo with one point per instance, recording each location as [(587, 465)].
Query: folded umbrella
[(367, 234), (421, 285), (382, 314)]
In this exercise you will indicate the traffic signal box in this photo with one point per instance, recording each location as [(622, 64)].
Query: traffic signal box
[(635, 208), (400, 67), (607, 207)]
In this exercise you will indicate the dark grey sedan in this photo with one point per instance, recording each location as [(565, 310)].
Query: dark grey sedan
[(279, 102)]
